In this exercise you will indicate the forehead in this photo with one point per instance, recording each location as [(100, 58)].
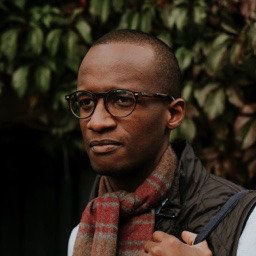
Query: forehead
[(117, 63)]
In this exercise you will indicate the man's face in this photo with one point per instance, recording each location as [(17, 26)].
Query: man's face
[(118, 146)]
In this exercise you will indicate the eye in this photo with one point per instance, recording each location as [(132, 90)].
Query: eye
[(122, 100), (85, 102)]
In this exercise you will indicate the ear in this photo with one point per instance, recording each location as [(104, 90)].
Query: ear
[(176, 113)]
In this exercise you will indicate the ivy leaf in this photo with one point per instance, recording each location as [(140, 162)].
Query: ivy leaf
[(235, 96), (220, 40), (95, 7), (181, 2), (35, 40), (184, 57), (165, 37), (197, 50), (19, 3), (146, 20), (118, 5), (236, 53), (217, 53), (20, 80), (215, 59), (199, 14), (47, 20), (35, 15), (187, 90), (181, 18), (252, 36), (9, 43), (105, 10), (76, 13), (72, 51), (84, 30), (135, 21), (202, 93), (125, 19), (74, 63), (43, 78), (53, 41), (215, 103), (49, 62), (229, 28), (15, 19), (166, 18), (71, 43), (250, 136), (174, 16)]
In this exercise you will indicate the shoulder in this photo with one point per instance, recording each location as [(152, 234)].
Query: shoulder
[(247, 239), (225, 238)]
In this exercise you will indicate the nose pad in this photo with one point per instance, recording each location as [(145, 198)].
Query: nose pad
[(101, 119)]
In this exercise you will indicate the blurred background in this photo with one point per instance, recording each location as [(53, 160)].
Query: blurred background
[(45, 175)]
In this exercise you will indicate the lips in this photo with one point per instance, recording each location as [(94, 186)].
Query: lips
[(105, 146)]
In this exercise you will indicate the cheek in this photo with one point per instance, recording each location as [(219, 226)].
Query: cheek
[(147, 129), (82, 126), (83, 129)]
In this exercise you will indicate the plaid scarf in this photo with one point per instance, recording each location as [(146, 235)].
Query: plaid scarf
[(119, 223)]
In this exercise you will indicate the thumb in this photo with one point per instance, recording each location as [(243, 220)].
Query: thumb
[(188, 237)]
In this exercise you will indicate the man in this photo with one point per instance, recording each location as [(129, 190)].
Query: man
[(148, 194)]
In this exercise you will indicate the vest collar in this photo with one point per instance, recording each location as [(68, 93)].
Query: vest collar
[(188, 179)]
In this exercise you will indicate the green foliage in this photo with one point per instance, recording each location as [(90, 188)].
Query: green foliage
[(20, 80), (9, 43), (42, 45)]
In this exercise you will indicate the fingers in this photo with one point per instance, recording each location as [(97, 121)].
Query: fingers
[(148, 246), (188, 237), (163, 244), (159, 236)]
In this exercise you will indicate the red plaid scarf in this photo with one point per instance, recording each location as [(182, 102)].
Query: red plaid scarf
[(119, 223)]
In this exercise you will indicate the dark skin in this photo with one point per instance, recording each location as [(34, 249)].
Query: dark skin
[(163, 244), (128, 149), (138, 151)]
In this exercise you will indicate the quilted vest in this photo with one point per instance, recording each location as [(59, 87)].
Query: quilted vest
[(195, 197)]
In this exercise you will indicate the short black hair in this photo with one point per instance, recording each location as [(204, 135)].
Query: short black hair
[(167, 69)]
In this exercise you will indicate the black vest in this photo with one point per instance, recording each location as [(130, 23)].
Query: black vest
[(196, 196)]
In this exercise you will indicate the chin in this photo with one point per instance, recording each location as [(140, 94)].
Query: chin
[(115, 172)]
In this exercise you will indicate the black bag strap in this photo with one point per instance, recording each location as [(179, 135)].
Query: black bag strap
[(221, 214)]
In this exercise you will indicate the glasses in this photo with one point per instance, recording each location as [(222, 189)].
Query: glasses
[(118, 103)]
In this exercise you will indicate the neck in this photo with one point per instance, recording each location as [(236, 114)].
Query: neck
[(128, 183)]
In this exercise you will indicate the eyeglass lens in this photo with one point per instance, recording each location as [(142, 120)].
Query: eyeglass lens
[(119, 103)]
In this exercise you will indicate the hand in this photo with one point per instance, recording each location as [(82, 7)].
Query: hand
[(163, 244)]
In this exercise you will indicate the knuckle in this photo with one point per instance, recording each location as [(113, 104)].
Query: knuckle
[(156, 251), (172, 241), (157, 235), (208, 253), (190, 241)]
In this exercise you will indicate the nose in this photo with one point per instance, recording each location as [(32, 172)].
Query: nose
[(101, 120)]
